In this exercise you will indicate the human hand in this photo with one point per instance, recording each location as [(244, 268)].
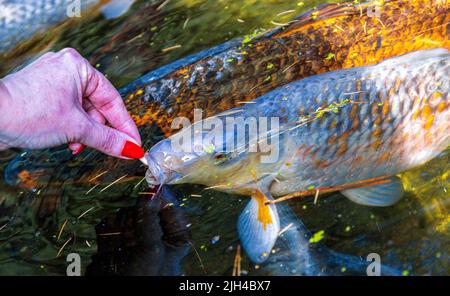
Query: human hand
[(60, 98)]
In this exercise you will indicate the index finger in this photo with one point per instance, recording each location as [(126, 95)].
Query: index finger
[(107, 100)]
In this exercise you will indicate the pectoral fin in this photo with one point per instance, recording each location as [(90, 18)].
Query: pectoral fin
[(258, 227), (378, 195)]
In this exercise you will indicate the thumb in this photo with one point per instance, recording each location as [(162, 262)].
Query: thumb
[(111, 141)]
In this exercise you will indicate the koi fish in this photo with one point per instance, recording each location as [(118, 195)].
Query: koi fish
[(341, 127), (21, 19)]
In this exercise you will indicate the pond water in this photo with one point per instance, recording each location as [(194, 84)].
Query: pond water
[(41, 223)]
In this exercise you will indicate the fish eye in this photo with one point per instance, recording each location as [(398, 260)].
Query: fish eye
[(221, 157)]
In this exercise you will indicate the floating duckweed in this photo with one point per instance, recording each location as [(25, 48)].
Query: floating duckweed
[(317, 237), (269, 66), (405, 272), (246, 39), (230, 60), (311, 187), (209, 149), (300, 4), (438, 255), (343, 269)]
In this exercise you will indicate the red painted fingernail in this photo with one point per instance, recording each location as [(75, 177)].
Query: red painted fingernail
[(132, 150), (79, 150)]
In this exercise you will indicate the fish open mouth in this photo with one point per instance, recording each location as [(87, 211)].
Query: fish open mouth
[(155, 174)]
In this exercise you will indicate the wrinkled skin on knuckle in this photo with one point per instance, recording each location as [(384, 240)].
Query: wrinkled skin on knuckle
[(78, 130), (110, 140)]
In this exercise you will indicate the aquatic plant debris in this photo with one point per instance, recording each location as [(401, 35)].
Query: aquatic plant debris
[(317, 237), (114, 182), (63, 246), (237, 262), (85, 212), (61, 230)]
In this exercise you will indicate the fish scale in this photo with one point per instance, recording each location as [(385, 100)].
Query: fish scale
[(367, 139)]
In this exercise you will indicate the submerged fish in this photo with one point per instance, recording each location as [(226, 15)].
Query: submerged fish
[(331, 37), (342, 127), (295, 255), (21, 19)]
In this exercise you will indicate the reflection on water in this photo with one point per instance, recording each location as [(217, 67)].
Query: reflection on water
[(39, 227)]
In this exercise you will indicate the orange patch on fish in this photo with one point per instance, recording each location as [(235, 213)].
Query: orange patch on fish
[(426, 111), (377, 120), (332, 139), (377, 133), (398, 83), (263, 210), (28, 180), (376, 144), (321, 163), (353, 112), (342, 149), (344, 137), (383, 158), (391, 92), (385, 110), (416, 114), (333, 124), (355, 125), (429, 122), (441, 106), (436, 96), (375, 109)]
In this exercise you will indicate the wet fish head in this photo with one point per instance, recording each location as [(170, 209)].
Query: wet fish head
[(202, 157)]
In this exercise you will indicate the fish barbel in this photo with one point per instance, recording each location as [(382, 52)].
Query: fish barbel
[(334, 128)]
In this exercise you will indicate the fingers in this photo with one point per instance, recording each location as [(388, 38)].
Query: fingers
[(77, 148), (109, 141), (109, 103), (103, 103)]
